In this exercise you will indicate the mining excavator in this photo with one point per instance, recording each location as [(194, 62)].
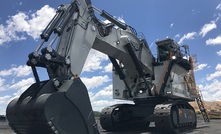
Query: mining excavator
[(159, 87)]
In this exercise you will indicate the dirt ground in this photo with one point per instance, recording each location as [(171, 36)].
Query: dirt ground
[(214, 127)]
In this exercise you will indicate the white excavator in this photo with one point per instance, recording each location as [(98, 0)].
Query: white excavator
[(160, 87)]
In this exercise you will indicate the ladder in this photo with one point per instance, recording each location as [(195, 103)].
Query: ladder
[(199, 101), (191, 85)]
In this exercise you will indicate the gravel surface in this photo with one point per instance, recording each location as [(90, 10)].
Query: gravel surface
[(214, 127)]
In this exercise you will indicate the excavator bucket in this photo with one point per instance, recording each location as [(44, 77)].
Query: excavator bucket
[(42, 109)]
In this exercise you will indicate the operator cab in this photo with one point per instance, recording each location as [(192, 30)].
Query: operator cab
[(168, 49)]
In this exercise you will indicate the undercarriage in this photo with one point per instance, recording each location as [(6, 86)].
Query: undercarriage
[(170, 116)]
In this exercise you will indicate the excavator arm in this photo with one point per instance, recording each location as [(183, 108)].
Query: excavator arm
[(61, 105)]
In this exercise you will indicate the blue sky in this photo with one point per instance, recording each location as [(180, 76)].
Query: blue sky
[(196, 23)]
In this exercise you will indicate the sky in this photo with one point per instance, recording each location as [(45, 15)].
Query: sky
[(195, 23)]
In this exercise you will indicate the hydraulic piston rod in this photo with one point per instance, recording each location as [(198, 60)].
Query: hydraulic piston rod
[(50, 27)]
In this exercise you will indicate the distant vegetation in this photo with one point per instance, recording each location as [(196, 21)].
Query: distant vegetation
[(97, 114), (2, 118)]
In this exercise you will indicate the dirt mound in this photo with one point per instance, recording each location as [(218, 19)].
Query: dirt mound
[(209, 106)]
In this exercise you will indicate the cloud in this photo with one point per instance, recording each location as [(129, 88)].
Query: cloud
[(40, 20), (218, 67), (94, 60), (207, 96), (177, 36), (215, 74), (23, 84), (19, 87), (13, 73), (218, 6), (218, 16), (188, 36), (218, 53), (4, 99), (200, 67), (207, 28), (95, 81), (3, 86), (100, 104), (171, 25), (195, 12), (211, 91), (108, 68), (106, 93), (214, 41), (121, 19), (103, 98), (22, 23), (19, 71)]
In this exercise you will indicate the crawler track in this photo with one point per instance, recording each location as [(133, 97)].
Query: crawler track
[(120, 117), (175, 117), (172, 117)]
